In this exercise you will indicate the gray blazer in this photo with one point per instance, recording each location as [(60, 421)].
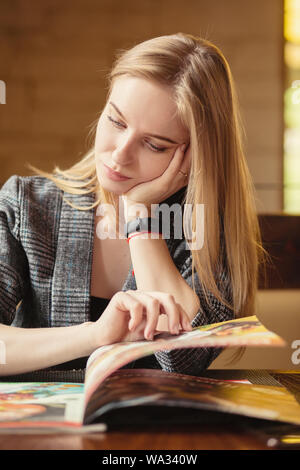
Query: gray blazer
[(46, 250)]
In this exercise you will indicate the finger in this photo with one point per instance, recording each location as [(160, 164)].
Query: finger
[(153, 312), (178, 156), (175, 163), (152, 307), (184, 320), (127, 302), (138, 333), (186, 162), (187, 154), (172, 310), (136, 315)]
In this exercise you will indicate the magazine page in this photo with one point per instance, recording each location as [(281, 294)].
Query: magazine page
[(41, 406), (115, 398), (245, 331)]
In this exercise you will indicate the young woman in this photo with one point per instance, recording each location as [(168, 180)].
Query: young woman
[(169, 133)]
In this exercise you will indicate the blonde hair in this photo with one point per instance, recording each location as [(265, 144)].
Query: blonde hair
[(207, 104)]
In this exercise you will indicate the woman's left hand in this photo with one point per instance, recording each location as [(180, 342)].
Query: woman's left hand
[(174, 178)]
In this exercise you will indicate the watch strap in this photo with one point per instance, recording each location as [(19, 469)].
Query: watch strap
[(139, 224)]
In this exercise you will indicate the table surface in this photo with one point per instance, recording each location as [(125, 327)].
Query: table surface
[(195, 438)]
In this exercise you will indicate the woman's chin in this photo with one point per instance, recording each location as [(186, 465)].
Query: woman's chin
[(114, 187)]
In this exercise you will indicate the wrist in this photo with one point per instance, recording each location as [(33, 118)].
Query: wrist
[(90, 337), (133, 209), (145, 227), (97, 335)]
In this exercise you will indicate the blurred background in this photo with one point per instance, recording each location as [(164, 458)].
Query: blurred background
[(55, 54)]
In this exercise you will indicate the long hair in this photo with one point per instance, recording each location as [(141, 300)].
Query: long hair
[(206, 100)]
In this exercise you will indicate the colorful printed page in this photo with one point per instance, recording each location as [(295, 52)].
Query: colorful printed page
[(42, 406), (141, 388), (246, 331)]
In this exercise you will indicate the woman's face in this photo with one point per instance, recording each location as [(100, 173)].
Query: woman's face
[(136, 113)]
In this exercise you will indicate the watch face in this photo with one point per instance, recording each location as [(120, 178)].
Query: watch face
[(138, 225), (135, 225)]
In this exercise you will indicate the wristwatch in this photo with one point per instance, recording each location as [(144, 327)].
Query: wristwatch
[(147, 224)]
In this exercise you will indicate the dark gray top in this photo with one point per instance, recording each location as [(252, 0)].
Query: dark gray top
[(46, 250)]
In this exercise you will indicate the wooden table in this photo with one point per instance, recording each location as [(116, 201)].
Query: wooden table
[(195, 438)]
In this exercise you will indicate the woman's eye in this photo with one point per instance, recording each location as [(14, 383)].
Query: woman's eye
[(117, 123), (154, 148), (157, 149)]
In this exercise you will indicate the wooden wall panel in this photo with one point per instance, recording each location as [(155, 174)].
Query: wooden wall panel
[(281, 239), (54, 55)]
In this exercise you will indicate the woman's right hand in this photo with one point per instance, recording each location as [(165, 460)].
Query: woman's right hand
[(134, 315)]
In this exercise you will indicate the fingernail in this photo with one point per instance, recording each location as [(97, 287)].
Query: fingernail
[(182, 148), (149, 335)]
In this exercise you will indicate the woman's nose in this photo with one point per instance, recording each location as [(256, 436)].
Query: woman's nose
[(123, 151)]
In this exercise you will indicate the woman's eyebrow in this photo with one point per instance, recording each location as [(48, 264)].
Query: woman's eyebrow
[(152, 135)]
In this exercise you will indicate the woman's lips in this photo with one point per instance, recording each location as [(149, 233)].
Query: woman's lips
[(113, 175)]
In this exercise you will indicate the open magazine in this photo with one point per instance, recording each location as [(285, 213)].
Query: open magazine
[(110, 397)]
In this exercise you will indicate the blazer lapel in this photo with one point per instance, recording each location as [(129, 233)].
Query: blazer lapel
[(72, 271)]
